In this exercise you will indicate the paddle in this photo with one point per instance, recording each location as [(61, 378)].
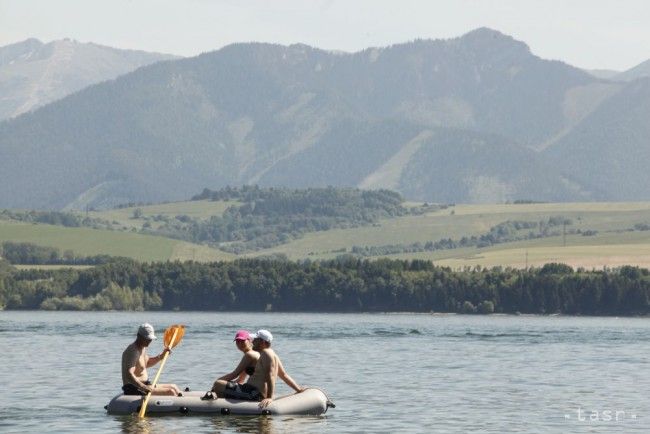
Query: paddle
[(173, 336)]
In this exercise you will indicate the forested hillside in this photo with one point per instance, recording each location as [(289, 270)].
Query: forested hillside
[(437, 120), (259, 217), (609, 150)]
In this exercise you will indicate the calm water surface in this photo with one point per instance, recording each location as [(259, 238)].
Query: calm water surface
[(386, 373)]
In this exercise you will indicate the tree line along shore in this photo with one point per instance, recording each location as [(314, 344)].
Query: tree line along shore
[(346, 284)]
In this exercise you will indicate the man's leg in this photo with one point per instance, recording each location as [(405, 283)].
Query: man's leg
[(230, 389), (176, 389), (166, 389), (218, 387)]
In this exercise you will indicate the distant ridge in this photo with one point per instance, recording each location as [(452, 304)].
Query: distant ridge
[(603, 73), (33, 74), (470, 119), (639, 71)]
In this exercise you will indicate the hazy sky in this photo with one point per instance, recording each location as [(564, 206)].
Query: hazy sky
[(612, 34)]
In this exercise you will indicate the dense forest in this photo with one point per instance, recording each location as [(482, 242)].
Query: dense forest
[(271, 216), (262, 217), (32, 254), (343, 285), (58, 218)]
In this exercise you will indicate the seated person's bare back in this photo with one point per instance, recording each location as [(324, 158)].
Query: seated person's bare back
[(266, 371)]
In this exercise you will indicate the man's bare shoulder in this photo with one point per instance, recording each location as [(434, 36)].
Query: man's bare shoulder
[(252, 356), (273, 355), (131, 350), (267, 354)]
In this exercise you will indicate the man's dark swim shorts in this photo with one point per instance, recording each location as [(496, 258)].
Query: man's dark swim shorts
[(245, 391)]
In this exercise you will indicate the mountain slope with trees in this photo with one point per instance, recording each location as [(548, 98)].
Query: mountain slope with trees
[(298, 116), (609, 149)]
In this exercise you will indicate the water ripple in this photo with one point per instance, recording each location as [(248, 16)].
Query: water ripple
[(386, 373)]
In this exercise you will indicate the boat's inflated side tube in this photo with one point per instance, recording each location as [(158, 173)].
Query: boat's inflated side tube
[(309, 402)]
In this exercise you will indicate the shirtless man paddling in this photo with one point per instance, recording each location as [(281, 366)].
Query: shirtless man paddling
[(135, 362), (261, 385)]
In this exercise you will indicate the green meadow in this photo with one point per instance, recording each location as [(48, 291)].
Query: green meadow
[(201, 209), (89, 242), (613, 241), (613, 244)]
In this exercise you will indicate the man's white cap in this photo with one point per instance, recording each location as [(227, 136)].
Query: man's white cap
[(146, 331), (265, 335)]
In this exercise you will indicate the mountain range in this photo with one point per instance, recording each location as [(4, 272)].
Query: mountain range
[(33, 74), (639, 71), (477, 118)]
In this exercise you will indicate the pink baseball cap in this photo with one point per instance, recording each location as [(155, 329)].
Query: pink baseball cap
[(242, 335)]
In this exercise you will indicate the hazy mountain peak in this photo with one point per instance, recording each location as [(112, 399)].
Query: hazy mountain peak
[(29, 42), (263, 47), (485, 32), (302, 47), (13, 52), (67, 43), (638, 71), (33, 73), (605, 74), (488, 41)]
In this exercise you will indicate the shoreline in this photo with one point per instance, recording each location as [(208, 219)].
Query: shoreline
[(387, 313)]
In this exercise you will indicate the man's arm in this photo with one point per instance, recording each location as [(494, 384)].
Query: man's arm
[(287, 378), (245, 361), (155, 359), (137, 382)]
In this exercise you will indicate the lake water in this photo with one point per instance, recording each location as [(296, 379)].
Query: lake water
[(386, 373)]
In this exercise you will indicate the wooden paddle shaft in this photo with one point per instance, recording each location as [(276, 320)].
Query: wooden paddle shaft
[(143, 408)]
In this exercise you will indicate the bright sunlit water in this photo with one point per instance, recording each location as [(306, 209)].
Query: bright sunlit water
[(386, 373)]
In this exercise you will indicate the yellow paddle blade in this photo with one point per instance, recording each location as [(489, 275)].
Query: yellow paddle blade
[(169, 334)]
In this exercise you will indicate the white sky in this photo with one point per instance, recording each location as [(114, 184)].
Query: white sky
[(607, 34)]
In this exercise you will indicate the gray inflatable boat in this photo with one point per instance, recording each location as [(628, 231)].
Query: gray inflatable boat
[(309, 402)]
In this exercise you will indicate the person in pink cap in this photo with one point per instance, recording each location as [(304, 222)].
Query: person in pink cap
[(261, 384), (246, 366)]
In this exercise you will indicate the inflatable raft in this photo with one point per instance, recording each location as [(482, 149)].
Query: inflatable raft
[(309, 402)]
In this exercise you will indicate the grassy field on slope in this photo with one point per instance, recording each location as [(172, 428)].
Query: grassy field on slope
[(613, 244), (88, 242), (611, 250), (202, 209)]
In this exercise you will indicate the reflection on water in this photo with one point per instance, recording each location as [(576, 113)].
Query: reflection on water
[(263, 424), (386, 373), (136, 425), (216, 424), (221, 424)]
